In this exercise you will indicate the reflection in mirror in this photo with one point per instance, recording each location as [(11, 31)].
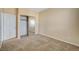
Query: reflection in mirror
[(31, 25)]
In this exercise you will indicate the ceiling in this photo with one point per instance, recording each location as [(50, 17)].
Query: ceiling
[(37, 9)]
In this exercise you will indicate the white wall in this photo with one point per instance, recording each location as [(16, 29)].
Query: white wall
[(61, 24)]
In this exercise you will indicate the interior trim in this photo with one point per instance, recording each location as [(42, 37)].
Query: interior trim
[(59, 39)]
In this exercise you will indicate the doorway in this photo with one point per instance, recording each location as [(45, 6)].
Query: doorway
[(27, 25), (23, 25)]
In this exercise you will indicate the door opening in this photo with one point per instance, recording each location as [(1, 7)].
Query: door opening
[(23, 26), (27, 25)]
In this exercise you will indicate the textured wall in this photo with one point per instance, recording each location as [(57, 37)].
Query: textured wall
[(61, 24), (8, 10)]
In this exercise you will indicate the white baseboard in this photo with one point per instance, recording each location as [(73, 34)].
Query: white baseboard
[(59, 39)]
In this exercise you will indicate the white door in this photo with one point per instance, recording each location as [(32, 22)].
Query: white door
[(0, 32), (9, 26), (5, 26), (12, 26)]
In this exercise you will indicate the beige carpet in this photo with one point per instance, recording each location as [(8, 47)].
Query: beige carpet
[(37, 43)]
